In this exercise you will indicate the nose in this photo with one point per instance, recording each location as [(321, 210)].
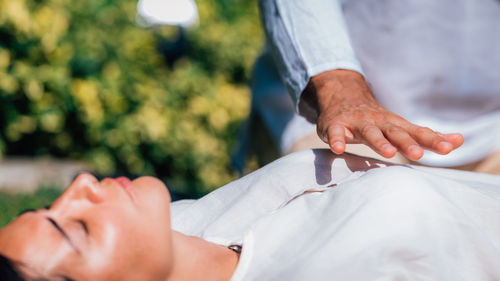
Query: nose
[(86, 186)]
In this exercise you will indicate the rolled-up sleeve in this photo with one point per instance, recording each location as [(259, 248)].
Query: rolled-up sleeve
[(307, 37)]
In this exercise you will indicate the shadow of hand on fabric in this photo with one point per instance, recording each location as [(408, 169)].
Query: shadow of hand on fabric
[(324, 158)]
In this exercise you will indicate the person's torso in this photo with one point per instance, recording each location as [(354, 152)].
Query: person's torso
[(344, 230)]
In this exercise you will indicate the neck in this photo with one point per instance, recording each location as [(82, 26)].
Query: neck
[(196, 259)]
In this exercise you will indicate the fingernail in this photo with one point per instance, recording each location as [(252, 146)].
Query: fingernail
[(386, 146), (338, 144), (445, 145), (414, 148)]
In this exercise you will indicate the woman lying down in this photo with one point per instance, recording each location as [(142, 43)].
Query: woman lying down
[(307, 216)]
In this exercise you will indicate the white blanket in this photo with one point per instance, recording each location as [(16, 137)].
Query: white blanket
[(316, 216)]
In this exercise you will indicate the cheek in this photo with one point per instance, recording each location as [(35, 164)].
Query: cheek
[(109, 231), (128, 247), (108, 254)]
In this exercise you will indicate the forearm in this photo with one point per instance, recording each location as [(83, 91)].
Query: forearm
[(307, 38)]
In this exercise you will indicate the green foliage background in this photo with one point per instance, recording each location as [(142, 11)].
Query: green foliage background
[(80, 79), (11, 204)]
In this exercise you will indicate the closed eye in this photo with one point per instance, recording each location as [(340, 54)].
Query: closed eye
[(84, 226)]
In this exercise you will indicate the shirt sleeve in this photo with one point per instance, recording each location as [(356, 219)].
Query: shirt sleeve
[(307, 37)]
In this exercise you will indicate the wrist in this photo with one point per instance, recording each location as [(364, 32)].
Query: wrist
[(334, 79), (333, 88)]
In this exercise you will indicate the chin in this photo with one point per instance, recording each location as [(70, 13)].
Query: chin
[(151, 186), (153, 198)]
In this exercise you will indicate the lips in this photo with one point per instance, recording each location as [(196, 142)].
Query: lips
[(127, 185)]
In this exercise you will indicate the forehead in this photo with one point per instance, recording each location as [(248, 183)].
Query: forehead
[(32, 241)]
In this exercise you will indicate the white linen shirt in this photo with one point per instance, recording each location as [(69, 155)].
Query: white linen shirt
[(435, 63), (316, 216)]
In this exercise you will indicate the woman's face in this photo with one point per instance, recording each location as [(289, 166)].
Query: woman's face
[(109, 230)]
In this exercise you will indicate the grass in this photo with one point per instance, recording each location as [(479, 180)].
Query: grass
[(11, 204)]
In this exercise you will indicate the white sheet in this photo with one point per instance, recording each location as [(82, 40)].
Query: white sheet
[(391, 223)]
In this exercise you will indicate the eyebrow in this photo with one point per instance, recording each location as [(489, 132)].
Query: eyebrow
[(31, 210), (25, 211)]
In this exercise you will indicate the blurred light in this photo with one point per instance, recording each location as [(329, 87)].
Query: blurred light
[(167, 12)]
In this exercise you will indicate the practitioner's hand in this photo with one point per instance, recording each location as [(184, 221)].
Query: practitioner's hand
[(348, 113)]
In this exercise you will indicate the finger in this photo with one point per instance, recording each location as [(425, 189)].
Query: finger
[(336, 138), (377, 141), (404, 142), (349, 136), (431, 140), (455, 139)]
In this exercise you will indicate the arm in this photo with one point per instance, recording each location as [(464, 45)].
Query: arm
[(306, 38), (313, 52)]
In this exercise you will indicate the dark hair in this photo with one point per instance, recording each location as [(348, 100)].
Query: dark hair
[(8, 271)]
